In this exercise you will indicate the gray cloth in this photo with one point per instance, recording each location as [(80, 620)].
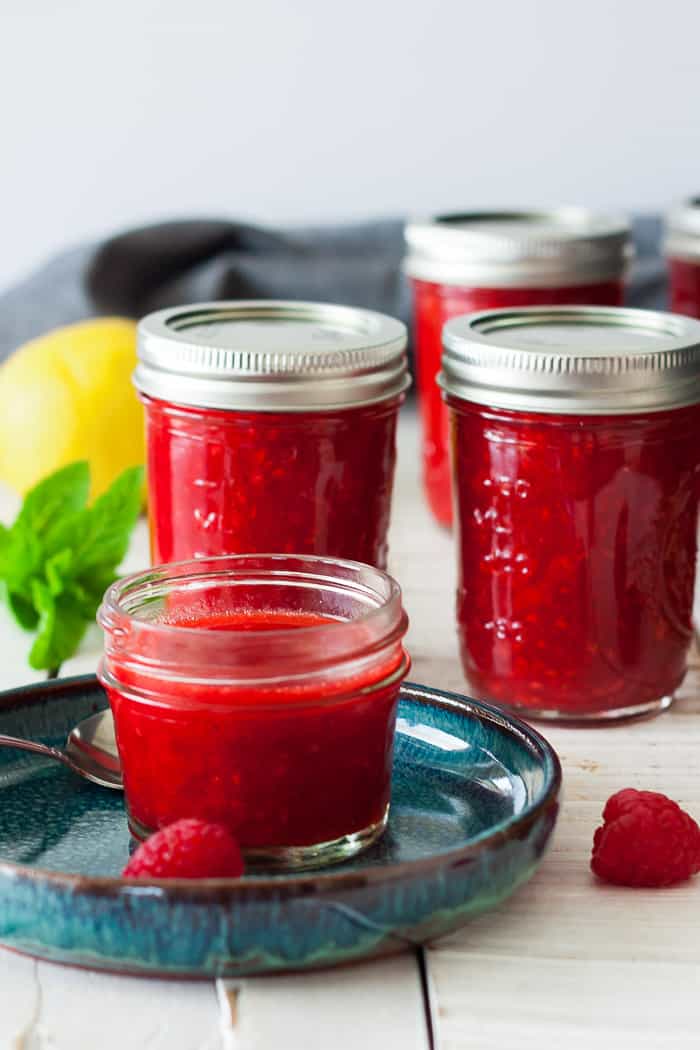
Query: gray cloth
[(196, 260)]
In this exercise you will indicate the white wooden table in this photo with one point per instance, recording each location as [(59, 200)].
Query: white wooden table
[(567, 963)]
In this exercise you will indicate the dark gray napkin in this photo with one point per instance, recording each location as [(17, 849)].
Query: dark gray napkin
[(196, 260)]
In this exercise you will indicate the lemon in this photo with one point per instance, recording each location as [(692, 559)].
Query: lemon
[(68, 395)]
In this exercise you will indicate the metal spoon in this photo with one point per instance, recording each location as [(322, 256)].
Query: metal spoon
[(90, 751)]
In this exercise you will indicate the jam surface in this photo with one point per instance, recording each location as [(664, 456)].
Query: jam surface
[(245, 483), (577, 550), (433, 305), (684, 287), (291, 764)]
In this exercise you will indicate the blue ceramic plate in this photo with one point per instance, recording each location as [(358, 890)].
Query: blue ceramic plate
[(473, 806)]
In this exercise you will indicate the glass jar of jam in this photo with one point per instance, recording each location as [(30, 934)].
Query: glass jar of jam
[(576, 467), (485, 260), (270, 426), (682, 249), (259, 692)]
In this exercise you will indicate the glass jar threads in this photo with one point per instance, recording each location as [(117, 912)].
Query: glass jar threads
[(682, 249), (259, 692), (485, 260), (576, 468), (271, 426)]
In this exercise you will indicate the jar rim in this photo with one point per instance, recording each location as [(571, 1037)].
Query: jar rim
[(581, 360), (271, 355), (527, 247), (381, 622)]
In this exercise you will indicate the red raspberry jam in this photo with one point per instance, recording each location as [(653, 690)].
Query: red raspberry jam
[(682, 247), (271, 427), (248, 482), (483, 261), (576, 530), (259, 693)]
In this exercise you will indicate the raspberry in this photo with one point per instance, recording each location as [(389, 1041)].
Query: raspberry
[(187, 849), (646, 840)]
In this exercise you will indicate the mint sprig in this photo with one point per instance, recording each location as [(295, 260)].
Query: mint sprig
[(59, 556)]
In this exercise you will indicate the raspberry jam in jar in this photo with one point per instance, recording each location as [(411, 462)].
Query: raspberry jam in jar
[(484, 260), (682, 249), (259, 692), (271, 426), (576, 468)]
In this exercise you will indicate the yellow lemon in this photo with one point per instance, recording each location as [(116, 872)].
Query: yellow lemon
[(68, 395)]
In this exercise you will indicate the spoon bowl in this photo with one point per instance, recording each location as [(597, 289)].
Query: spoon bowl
[(90, 751)]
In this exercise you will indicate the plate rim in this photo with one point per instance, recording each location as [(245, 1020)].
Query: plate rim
[(291, 885)]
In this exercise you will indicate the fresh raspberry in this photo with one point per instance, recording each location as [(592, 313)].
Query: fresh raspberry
[(646, 840), (187, 849)]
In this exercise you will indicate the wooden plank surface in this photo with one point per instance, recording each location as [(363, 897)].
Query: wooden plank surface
[(353, 1008), (48, 1007), (567, 963)]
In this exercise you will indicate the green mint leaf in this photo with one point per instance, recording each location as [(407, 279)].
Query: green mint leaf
[(23, 611), (60, 555), (111, 518), (20, 560), (42, 598), (60, 630), (57, 568), (66, 532), (62, 492), (88, 596)]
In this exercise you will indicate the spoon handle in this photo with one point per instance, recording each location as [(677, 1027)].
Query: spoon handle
[(32, 745)]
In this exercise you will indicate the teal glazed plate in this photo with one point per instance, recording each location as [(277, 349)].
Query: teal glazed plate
[(475, 795)]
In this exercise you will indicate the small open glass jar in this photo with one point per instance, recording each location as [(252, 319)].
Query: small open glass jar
[(682, 249), (576, 470), (271, 426), (485, 260), (260, 692)]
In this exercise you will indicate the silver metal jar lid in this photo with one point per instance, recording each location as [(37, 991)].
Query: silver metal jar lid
[(682, 239), (556, 247), (270, 356), (581, 360)]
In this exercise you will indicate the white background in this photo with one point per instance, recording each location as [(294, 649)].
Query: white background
[(287, 111)]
